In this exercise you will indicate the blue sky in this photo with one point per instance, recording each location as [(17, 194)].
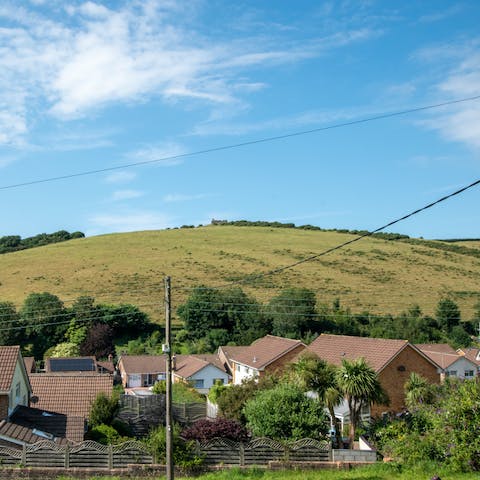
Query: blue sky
[(98, 85)]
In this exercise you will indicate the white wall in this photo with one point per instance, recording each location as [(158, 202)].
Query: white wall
[(208, 375), (458, 368), (242, 373), (18, 379)]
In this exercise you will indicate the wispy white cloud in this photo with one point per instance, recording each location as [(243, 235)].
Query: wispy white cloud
[(59, 64), (461, 122), (121, 176), (128, 221), (179, 197), (126, 195)]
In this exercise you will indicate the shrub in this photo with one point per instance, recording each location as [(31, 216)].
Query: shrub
[(106, 435), (184, 455), (220, 427)]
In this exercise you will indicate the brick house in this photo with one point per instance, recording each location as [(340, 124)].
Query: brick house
[(392, 360), (268, 354), (15, 388)]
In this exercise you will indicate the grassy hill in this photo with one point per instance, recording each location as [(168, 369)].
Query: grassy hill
[(377, 275)]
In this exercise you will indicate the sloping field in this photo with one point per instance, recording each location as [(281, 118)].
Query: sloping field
[(377, 275)]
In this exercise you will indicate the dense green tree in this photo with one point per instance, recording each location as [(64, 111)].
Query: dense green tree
[(360, 386), (292, 312), (231, 401), (447, 314), (10, 331), (222, 316), (45, 319), (285, 413)]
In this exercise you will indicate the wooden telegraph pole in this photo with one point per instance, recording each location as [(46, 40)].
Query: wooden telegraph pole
[(167, 350)]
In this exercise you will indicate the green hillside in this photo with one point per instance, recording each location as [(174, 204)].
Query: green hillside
[(377, 275)]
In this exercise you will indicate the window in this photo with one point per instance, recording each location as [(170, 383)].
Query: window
[(17, 391), (197, 383), (451, 373), (238, 367), (218, 381), (469, 373)]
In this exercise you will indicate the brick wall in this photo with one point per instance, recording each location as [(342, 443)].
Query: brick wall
[(394, 376), (280, 364)]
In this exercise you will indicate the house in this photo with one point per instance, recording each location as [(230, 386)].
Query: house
[(200, 371), (71, 394), (452, 362), (473, 354), (15, 388), (27, 426), (141, 370), (268, 354), (392, 360)]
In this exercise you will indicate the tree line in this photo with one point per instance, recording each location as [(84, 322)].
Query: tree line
[(44, 326), (213, 317), (14, 243)]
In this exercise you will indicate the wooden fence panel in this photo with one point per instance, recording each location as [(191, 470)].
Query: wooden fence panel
[(89, 455), (10, 456), (220, 450), (309, 450), (131, 453), (263, 450), (42, 453)]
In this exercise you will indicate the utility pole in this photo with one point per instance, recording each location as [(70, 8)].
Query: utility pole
[(167, 350)]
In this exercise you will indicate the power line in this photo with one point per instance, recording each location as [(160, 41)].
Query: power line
[(356, 239), (380, 116)]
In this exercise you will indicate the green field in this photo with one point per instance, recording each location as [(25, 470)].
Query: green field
[(377, 275)]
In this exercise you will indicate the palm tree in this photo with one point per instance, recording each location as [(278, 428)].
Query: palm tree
[(316, 375), (360, 386), (417, 391)]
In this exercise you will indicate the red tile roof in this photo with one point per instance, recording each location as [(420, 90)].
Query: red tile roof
[(70, 394), (441, 353), (262, 352), (8, 360), (436, 347), (377, 352), (472, 353), (188, 365), (142, 363)]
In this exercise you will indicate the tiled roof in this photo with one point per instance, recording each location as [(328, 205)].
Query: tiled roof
[(263, 351), (436, 347), (143, 363), (377, 352), (29, 364), (8, 361), (441, 353), (70, 394), (473, 354), (107, 366), (444, 360), (188, 365), (25, 421)]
